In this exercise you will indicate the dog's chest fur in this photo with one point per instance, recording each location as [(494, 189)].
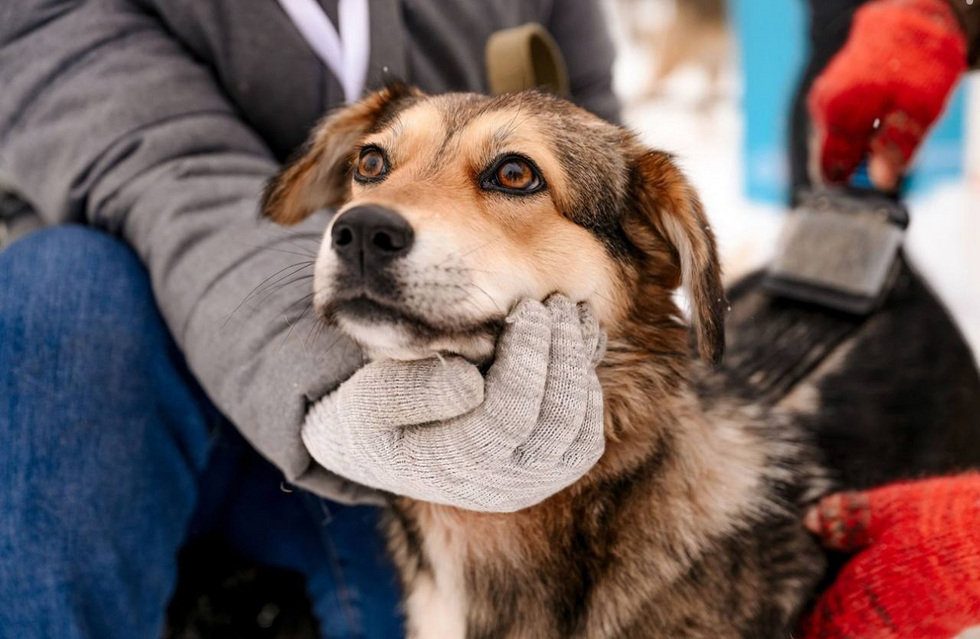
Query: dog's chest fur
[(692, 538)]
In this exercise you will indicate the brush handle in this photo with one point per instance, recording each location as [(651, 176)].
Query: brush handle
[(856, 199)]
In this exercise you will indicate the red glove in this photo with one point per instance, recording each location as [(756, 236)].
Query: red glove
[(917, 575), (880, 94)]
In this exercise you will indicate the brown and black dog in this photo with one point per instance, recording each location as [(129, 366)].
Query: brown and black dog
[(689, 525)]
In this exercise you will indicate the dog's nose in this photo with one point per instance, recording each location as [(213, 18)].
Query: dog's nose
[(371, 236)]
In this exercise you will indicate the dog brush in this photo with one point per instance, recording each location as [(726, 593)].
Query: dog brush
[(839, 249)]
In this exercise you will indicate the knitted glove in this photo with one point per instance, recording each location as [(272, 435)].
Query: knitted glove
[(437, 431), (880, 94), (917, 572)]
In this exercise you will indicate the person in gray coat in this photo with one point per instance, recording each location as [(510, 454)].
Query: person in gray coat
[(160, 309)]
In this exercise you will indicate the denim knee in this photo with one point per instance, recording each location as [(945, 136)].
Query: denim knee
[(76, 288), (102, 439), (95, 409)]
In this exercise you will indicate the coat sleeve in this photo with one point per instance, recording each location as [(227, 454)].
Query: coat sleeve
[(106, 119), (580, 28)]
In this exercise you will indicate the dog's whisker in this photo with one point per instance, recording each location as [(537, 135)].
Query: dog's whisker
[(304, 299), (470, 252), (312, 253), (317, 331), (292, 268), (279, 286), (292, 326), (315, 328), (333, 344), (299, 266), (272, 249), (489, 297), (288, 235), (468, 298), (290, 239)]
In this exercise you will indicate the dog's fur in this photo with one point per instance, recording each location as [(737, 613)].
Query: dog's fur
[(689, 526)]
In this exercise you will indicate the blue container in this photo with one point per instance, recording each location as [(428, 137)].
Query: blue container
[(772, 40)]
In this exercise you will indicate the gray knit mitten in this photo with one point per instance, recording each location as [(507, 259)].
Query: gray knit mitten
[(438, 431)]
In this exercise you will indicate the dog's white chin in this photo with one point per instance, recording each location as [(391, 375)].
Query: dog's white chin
[(390, 341)]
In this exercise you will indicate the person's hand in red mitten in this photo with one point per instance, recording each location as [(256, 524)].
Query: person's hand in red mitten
[(880, 94), (916, 574)]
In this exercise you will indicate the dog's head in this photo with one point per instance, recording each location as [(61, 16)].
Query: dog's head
[(452, 208)]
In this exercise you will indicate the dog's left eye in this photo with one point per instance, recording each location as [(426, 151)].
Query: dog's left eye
[(371, 165), (515, 175)]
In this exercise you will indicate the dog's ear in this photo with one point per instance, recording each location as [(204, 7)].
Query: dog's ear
[(320, 175), (665, 201)]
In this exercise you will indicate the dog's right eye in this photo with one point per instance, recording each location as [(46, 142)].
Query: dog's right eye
[(371, 165), (514, 175)]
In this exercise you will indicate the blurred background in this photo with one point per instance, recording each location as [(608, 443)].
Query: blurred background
[(698, 78)]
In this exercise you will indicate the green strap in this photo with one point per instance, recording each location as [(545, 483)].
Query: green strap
[(525, 57)]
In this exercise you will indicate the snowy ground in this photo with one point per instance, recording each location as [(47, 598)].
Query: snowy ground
[(943, 240)]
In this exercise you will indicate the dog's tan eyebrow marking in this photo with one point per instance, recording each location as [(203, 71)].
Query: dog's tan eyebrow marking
[(502, 136), (388, 135), (396, 130), (410, 135), (493, 146), (454, 125)]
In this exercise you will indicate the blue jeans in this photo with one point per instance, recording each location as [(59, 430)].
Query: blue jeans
[(111, 459)]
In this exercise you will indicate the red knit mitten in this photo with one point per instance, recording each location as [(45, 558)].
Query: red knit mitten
[(880, 94), (917, 573)]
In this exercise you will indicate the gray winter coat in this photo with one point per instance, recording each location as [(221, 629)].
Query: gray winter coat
[(160, 120)]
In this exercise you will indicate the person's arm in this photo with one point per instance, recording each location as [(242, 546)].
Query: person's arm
[(579, 27), (106, 119), (881, 93), (915, 571)]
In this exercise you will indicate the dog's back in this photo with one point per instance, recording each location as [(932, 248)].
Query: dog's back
[(895, 395)]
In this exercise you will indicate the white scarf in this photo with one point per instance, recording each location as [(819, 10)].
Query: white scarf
[(345, 51)]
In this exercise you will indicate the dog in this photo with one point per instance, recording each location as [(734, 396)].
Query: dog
[(453, 208)]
